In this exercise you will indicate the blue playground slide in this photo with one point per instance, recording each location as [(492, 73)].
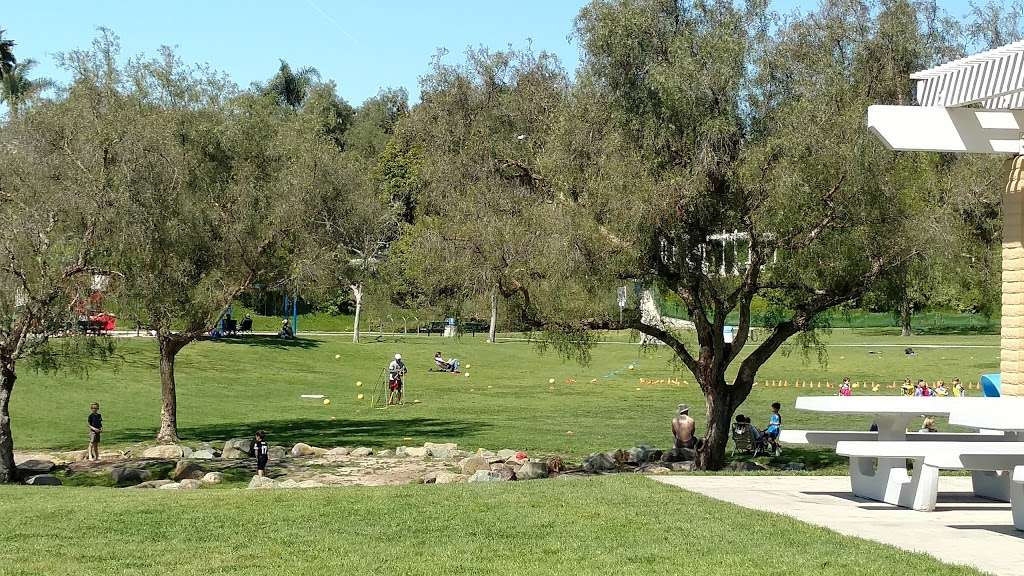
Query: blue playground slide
[(990, 385)]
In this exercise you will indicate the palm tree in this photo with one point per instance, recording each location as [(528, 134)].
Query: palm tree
[(16, 87), (7, 59), (291, 87)]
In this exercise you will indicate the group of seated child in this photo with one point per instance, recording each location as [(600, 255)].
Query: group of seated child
[(922, 388)]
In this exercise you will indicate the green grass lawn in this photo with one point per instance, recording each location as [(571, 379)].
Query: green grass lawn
[(608, 525), (229, 389)]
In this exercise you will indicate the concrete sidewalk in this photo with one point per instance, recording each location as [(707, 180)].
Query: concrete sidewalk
[(963, 529)]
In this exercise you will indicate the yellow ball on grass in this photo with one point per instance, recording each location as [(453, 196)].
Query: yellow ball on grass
[(327, 401)]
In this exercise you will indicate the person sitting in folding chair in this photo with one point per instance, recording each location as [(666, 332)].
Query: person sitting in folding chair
[(452, 365)]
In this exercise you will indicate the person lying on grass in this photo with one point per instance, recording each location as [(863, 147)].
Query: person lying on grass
[(452, 365)]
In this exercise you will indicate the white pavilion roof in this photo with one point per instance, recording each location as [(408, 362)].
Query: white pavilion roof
[(994, 79)]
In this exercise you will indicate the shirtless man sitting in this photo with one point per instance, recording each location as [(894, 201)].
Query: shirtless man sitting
[(682, 429)]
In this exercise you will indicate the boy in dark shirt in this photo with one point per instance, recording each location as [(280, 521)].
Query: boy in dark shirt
[(95, 427), (260, 450)]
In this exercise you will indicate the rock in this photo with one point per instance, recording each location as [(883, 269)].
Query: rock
[(795, 466), (301, 449), (598, 462), (486, 476), (318, 451), (449, 478), (190, 484), (205, 454), (75, 455), (311, 484), (243, 445), (470, 465), (43, 480), (682, 466), (505, 471), (400, 451), (430, 477), (440, 451), (167, 451), (362, 451), (414, 452), (532, 471), (261, 482), (126, 476), (169, 486), (185, 469), (745, 466), (112, 455), (487, 454), (234, 453), (386, 453), (212, 478), (679, 455), (640, 455), (340, 451), (459, 454), (505, 455), (655, 469), (555, 465), (36, 467), (276, 453), (288, 483), (152, 484)]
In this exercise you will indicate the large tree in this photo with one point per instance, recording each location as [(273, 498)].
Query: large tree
[(17, 87), (61, 169), (687, 120)]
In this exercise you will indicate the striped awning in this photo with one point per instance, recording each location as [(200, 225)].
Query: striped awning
[(994, 79)]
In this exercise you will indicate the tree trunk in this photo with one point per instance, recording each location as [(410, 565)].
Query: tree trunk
[(8, 471), (905, 315), (492, 331), (357, 293), (711, 455), (169, 347)]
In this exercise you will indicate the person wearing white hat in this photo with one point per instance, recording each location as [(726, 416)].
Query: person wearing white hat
[(682, 430), (396, 370)]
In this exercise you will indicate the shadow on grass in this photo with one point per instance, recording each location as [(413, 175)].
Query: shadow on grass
[(270, 342), (812, 458), (387, 433)]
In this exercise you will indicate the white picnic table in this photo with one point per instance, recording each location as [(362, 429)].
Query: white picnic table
[(1009, 419), (878, 472)]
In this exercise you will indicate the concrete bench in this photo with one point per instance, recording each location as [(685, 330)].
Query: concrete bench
[(829, 438), (878, 469)]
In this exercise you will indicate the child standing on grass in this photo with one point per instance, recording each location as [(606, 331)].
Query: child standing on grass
[(95, 428), (774, 428), (261, 451)]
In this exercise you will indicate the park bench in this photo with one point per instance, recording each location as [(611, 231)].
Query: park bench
[(829, 438), (919, 490), (432, 328)]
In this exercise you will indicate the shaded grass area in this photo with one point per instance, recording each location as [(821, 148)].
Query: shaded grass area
[(232, 388), (607, 525)]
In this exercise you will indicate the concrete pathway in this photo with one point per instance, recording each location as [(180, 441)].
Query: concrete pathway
[(963, 529)]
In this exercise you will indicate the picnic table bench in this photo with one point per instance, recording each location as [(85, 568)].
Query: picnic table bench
[(878, 459)]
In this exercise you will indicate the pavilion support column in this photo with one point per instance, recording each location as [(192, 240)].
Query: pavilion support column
[(1011, 365)]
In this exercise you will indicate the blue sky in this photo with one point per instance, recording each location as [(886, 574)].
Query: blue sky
[(361, 45)]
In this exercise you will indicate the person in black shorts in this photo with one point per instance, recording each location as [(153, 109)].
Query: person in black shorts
[(95, 428), (260, 450)]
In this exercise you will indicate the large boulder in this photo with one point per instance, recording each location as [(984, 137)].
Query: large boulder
[(679, 455), (261, 482), (682, 466), (152, 484), (361, 451), (506, 471), (185, 469), (449, 478), (655, 469), (204, 454), (532, 471), (302, 449), (43, 480), (35, 467), (128, 476), (276, 453), (440, 451), (598, 462), (212, 478), (339, 451), (169, 486), (75, 455), (473, 463), (487, 476), (243, 445), (505, 455), (112, 455), (640, 455), (414, 452), (233, 454), (386, 453), (169, 451), (190, 484)]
